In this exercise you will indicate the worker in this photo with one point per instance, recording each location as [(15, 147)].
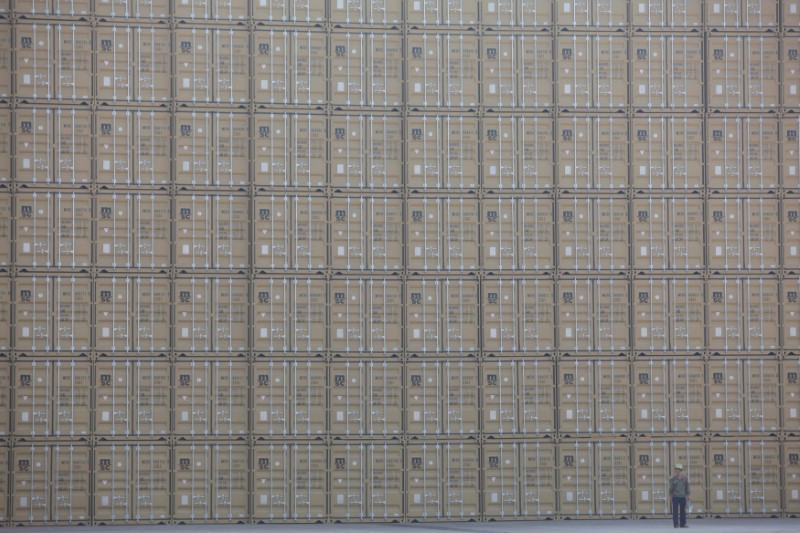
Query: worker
[(679, 494)]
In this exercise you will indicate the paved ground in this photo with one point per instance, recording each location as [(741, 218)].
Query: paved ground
[(747, 525)]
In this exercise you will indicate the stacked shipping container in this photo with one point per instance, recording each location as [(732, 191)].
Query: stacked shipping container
[(381, 261)]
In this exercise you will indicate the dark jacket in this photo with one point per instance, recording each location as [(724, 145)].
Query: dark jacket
[(679, 487)]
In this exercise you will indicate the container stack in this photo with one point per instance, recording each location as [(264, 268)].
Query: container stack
[(372, 260)]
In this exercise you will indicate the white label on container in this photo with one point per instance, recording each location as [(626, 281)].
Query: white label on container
[(339, 333), (418, 251), (340, 499), (641, 8), (644, 414), (23, 501), (107, 81), (417, 87), (265, 84), (26, 163), (567, 9), (718, 332), (26, 247), (341, 250), (569, 414), (186, 83), (493, 333), (417, 169), (642, 89), (339, 4), (642, 170), (794, 494), (792, 170), (185, 416), (417, 498), (186, 166), (340, 168), (716, 8), (567, 88), (490, 7), (718, 412), (568, 333), (719, 495), (568, 170), (106, 248), (793, 331), (265, 249), (106, 416), (417, 416), (185, 332), (25, 416), (106, 332), (645, 495), (495, 497), (185, 499), (340, 86), (569, 496), (793, 10), (492, 88), (492, 251), (718, 251), (718, 170), (264, 167), (719, 89), (26, 79), (263, 496), (340, 415), (568, 251), (493, 414), (264, 333), (263, 416), (104, 501), (644, 332), (26, 332), (793, 250), (793, 412), (643, 251), (416, 333), (792, 89), (492, 170), (185, 249)]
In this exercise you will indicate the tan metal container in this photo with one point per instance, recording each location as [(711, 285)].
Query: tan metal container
[(34, 138), (271, 314), (651, 474), (727, 471), (230, 404), (763, 477), (591, 72), (309, 315), (762, 403), (192, 389), (72, 391), (761, 298), (651, 396), (231, 232), (289, 398), (742, 72), (687, 383), (192, 10), (366, 482), (613, 479), (516, 71), (71, 484), (790, 315), (667, 72), (790, 153), (576, 468), (272, 66), (6, 45), (366, 68), (612, 398), (30, 484), (441, 398), (193, 65), (282, 11), (790, 233), (112, 391), (501, 14), (151, 398), (73, 215), (499, 397), (517, 153), (667, 152), (346, 403), (112, 476), (668, 315), (666, 14), (231, 150), (442, 70), (231, 56), (442, 480), (34, 54), (32, 395), (72, 58), (193, 231), (153, 57), (272, 232), (538, 477), (742, 153), (347, 321), (501, 478), (152, 470), (115, 52), (152, 231), (742, 14), (423, 149), (192, 466), (72, 147), (309, 148), (789, 66), (193, 149), (537, 315), (499, 315), (5, 145), (498, 71), (271, 134), (460, 299), (423, 308), (231, 473), (742, 314), (593, 234), (384, 152), (290, 66), (309, 222), (384, 299), (309, 473), (575, 388), (34, 305), (790, 461), (668, 234), (270, 471), (6, 298), (726, 396), (152, 299), (6, 383), (113, 144), (790, 401), (592, 153), (152, 149), (381, 12), (193, 311), (453, 219), (231, 315), (582, 14), (366, 233), (461, 164), (580, 328)]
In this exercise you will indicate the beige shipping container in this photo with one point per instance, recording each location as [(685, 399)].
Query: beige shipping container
[(743, 233), (152, 467), (501, 14), (34, 50), (152, 159), (442, 398), (132, 398), (591, 71), (742, 72), (366, 68), (152, 231), (6, 137), (727, 471), (537, 315), (366, 233), (309, 315), (73, 217), (34, 305), (6, 382), (71, 484), (436, 12), (309, 221), (517, 397), (230, 404), (442, 480), (538, 480), (32, 396), (365, 155), (726, 396), (231, 56), (290, 67), (114, 241), (742, 14), (30, 484), (191, 470), (272, 155), (517, 153), (651, 398), (593, 315), (575, 388), (668, 315), (741, 153), (113, 145), (666, 14), (583, 14), (115, 51), (790, 233), (592, 153), (667, 72), (593, 234), (423, 148), (72, 57), (192, 326), (72, 399), (501, 477), (790, 313), (742, 314), (34, 138), (380, 12), (434, 218), (790, 460), (789, 67), (442, 70), (6, 298), (231, 473), (112, 478), (271, 314), (667, 152), (461, 166), (272, 233), (231, 232), (152, 299), (289, 398), (687, 382), (309, 473), (309, 149), (271, 494), (516, 71), (282, 11), (193, 70), (193, 147), (383, 329), (763, 477), (613, 479), (668, 234), (231, 315), (112, 392), (612, 399), (193, 231), (762, 380), (536, 154), (423, 308), (576, 469), (6, 67), (6, 233), (72, 147), (153, 62), (192, 390), (651, 474), (366, 482), (131, 483), (231, 150), (384, 152)]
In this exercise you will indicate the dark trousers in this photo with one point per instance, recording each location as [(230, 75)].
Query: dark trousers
[(679, 504)]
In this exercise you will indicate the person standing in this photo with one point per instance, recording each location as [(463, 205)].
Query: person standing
[(679, 493)]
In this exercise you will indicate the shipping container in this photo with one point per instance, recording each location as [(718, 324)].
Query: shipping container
[(6, 382), (152, 231), (790, 460), (72, 218), (668, 234), (231, 315), (441, 398), (112, 390), (289, 398), (6, 66), (423, 149), (667, 72), (192, 498), (441, 12), (593, 315), (112, 478), (790, 314), (271, 314), (34, 138), (309, 330), (283, 11), (230, 403), (591, 71), (666, 14), (687, 383), (366, 233), (115, 49), (366, 153), (500, 465), (669, 395), (538, 480), (6, 237), (373, 12), (231, 473), (193, 309), (152, 469), (71, 484), (727, 15), (742, 314), (384, 152), (192, 9), (309, 475), (231, 166), (271, 467), (668, 315), (582, 14), (153, 62), (763, 477), (790, 234), (34, 305), (193, 70), (742, 72), (741, 153), (310, 224), (612, 401), (366, 482), (72, 394), (365, 398), (499, 315), (442, 70), (743, 233), (576, 469), (231, 56), (789, 68), (442, 480), (290, 67), (383, 311), (726, 396), (455, 220), (516, 71), (651, 405), (651, 474), (193, 231), (34, 49), (593, 153), (152, 160), (5, 146), (366, 68), (613, 479), (30, 484), (593, 234), (727, 471), (667, 152), (502, 14), (72, 61), (193, 146), (516, 153), (32, 395), (575, 387), (113, 144), (114, 241), (272, 155), (152, 299)]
